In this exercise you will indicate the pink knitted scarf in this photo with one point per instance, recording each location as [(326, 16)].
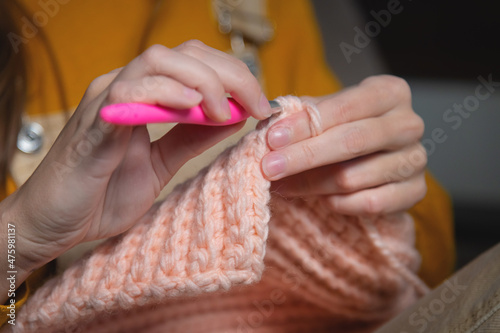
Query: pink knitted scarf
[(198, 264)]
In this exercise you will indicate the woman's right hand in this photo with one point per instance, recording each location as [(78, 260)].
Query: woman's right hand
[(98, 180)]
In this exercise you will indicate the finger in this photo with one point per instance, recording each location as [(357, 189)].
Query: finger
[(341, 143), (161, 61), (133, 171), (355, 175), (208, 49), (108, 144), (184, 142), (235, 76), (386, 199), (371, 98), (210, 75), (154, 90)]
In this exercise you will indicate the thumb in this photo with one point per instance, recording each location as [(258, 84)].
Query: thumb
[(184, 142)]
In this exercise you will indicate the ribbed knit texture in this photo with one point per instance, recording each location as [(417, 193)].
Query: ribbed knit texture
[(198, 264)]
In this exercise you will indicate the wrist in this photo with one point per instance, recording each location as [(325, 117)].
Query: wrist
[(17, 257)]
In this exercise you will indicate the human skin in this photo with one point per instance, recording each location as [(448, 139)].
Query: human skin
[(368, 159), (99, 180)]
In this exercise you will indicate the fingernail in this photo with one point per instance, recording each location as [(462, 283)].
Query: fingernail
[(279, 137), (264, 106), (273, 165), (192, 94), (226, 111)]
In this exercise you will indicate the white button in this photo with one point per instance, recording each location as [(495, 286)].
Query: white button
[(30, 138)]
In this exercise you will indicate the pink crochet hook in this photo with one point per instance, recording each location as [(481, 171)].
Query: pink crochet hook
[(141, 114)]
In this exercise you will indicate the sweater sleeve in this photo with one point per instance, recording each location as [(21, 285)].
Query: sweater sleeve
[(435, 233), (8, 310)]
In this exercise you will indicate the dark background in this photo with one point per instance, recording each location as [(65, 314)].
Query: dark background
[(440, 47), (440, 38)]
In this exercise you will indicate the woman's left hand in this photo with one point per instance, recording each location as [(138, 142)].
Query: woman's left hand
[(368, 159)]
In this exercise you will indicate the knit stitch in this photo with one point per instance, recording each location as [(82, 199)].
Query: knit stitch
[(198, 264)]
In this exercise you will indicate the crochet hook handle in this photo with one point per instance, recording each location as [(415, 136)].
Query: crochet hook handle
[(141, 114)]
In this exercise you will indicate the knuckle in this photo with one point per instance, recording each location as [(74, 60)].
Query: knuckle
[(308, 153), (97, 85), (248, 83), (389, 86), (419, 189), (153, 54), (118, 92), (244, 79), (394, 84), (150, 83), (340, 110), (211, 78), (193, 48), (416, 126), (334, 203), (373, 204), (355, 142), (343, 181), (398, 88), (371, 80), (240, 64), (192, 51), (397, 83), (418, 156), (194, 43)]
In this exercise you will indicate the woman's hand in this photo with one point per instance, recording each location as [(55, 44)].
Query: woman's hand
[(368, 159), (98, 180)]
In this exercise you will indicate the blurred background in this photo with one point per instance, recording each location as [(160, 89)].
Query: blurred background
[(441, 48)]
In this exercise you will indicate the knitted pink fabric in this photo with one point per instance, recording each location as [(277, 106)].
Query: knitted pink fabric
[(198, 264)]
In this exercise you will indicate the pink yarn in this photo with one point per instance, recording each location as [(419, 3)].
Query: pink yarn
[(198, 264)]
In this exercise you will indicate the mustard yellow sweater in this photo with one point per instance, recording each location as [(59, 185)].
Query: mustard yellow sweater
[(91, 37)]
